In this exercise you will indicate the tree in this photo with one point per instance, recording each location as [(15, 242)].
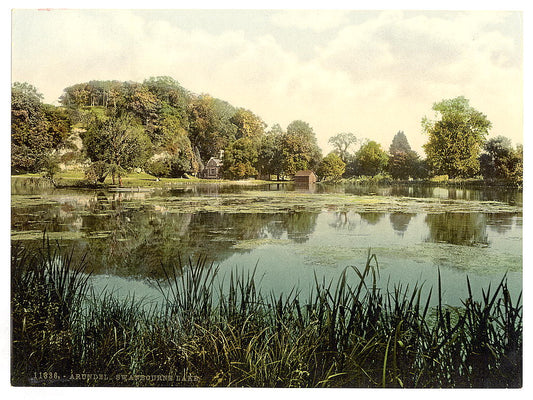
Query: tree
[(116, 144), (37, 129), (455, 138), (399, 144), (332, 167), (174, 156), (500, 161), (239, 159), (269, 160), (248, 124), (300, 150), (210, 128), (371, 159), (341, 143), (403, 160), (401, 164)]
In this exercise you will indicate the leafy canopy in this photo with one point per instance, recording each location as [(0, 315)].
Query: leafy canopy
[(455, 138)]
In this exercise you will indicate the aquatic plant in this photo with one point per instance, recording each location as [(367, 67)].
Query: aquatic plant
[(214, 330)]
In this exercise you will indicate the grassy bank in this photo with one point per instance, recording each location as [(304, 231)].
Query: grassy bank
[(442, 180), (76, 178), (342, 335)]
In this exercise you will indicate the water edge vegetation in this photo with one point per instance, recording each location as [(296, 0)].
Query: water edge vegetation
[(346, 333)]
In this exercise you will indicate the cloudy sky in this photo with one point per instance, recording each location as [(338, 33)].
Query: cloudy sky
[(372, 73)]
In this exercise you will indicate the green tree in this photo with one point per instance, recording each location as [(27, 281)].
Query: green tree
[(173, 98), (402, 165), (342, 142), (455, 138), (399, 143), (269, 160), (116, 144), (371, 159), (402, 162), (299, 148), (332, 167), (240, 157), (248, 124), (37, 130), (210, 128), (174, 156), (500, 160)]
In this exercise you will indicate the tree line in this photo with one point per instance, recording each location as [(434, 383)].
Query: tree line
[(168, 131)]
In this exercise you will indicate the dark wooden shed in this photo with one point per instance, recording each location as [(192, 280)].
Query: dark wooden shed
[(306, 177)]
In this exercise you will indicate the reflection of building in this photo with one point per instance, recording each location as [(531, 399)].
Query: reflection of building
[(212, 169), (305, 177)]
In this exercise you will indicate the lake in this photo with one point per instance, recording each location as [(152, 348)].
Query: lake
[(289, 235)]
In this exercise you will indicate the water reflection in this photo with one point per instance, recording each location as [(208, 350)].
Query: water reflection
[(124, 235), (505, 195), (467, 229), (400, 221), (371, 218)]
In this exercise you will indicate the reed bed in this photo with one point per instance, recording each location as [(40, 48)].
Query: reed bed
[(345, 333)]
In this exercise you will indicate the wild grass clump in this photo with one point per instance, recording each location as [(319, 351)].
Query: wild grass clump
[(223, 331), (47, 288)]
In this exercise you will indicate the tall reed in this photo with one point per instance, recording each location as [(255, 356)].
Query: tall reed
[(214, 330)]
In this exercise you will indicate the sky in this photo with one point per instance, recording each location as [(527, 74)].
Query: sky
[(372, 73)]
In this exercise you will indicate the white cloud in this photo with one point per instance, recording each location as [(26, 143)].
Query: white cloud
[(313, 20), (373, 78)]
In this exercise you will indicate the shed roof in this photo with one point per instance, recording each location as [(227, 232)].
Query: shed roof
[(304, 173)]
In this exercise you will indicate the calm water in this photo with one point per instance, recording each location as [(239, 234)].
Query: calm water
[(127, 236)]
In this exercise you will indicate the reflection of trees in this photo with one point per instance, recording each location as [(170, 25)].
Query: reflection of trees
[(500, 222), (371, 218), (344, 220), (300, 226), (129, 238), (151, 237), (466, 229), (400, 221)]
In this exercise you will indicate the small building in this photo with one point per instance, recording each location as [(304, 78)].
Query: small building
[(212, 169), (305, 177)]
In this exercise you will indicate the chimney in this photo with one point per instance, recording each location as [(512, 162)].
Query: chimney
[(221, 155)]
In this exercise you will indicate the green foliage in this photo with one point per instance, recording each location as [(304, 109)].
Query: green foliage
[(179, 129), (239, 159), (455, 138), (403, 162), (500, 161), (118, 142), (37, 130), (248, 125), (210, 128), (299, 148), (331, 168), (47, 289), (371, 159), (399, 144), (403, 165), (269, 160)]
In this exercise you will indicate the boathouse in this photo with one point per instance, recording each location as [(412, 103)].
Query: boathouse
[(305, 177)]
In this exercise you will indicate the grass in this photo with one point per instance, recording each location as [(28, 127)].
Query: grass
[(76, 178), (345, 333)]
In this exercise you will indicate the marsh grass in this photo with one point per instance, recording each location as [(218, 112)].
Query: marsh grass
[(350, 332)]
